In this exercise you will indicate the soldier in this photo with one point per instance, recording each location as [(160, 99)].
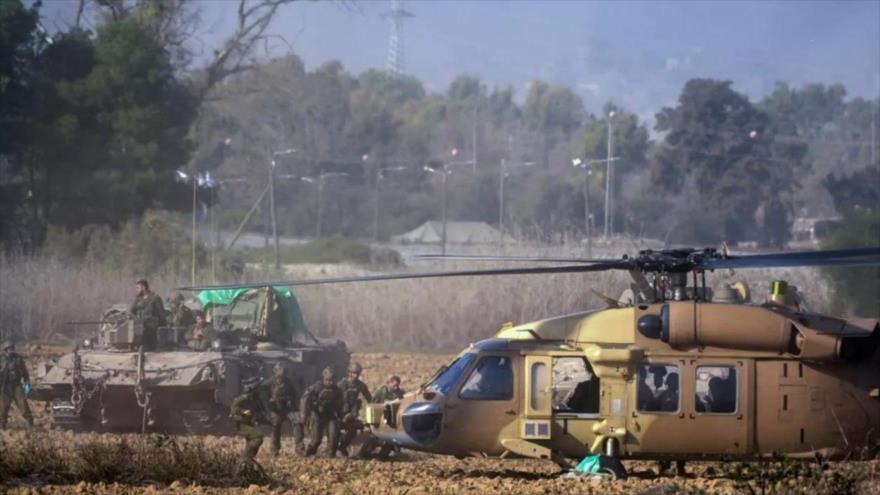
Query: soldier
[(182, 317), (202, 333), (282, 402), (352, 389), (147, 307), (245, 409), (324, 402), (388, 392), (14, 380)]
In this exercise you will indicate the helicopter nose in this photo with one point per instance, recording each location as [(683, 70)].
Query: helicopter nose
[(415, 425), (421, 421)]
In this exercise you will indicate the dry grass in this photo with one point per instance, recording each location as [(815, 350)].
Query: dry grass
[(38, 296)]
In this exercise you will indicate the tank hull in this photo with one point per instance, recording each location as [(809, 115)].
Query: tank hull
[(171, 391)]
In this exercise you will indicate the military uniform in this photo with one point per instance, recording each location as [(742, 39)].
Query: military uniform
[(244, 410), (199, 339), (385, 394), (181, 316), (148, 308), (381, 395), (283, 402), (324, 402), (352, 390), (13, 376)]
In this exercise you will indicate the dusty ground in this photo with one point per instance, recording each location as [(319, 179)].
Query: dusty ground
[(416, 473)]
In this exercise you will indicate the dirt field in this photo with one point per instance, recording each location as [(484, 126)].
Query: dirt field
[(416, 473)]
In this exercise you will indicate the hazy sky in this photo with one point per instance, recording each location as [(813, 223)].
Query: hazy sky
[(638, 54)]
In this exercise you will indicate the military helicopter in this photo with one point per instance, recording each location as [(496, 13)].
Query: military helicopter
[(670, 376)]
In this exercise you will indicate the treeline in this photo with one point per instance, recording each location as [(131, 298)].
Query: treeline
[(97, 124)]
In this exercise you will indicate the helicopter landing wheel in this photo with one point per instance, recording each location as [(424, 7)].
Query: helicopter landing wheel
[(613, 467)]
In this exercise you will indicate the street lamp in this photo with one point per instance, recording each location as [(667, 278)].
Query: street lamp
[(319, 182), (445, 175), (272, 218), (608, 161), (588, 216), (380, 174), (502, 175)]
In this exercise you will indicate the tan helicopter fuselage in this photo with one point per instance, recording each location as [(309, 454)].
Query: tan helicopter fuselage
[(751, 380)]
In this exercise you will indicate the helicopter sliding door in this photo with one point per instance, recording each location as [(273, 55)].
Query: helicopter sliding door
[(658, 423), (720, 408), (561, 402)]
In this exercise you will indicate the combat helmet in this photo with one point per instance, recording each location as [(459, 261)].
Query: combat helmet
[(327, 374), (355, 367), (8, 344)]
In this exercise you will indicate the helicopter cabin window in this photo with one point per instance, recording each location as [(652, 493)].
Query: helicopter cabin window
[(716, 390), (658, 390), (575, 386), (491, 379), (538, 395)]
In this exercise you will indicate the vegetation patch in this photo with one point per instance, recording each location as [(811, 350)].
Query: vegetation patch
[(50, 458)]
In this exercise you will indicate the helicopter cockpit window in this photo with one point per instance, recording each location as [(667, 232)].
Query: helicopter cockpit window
[(492, 379), (449, 376), (658, 388), (716, 389), (575, 386)]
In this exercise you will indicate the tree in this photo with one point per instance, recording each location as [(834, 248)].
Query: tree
[(553, 113), (717, 138), (111, 128), (20, 43)]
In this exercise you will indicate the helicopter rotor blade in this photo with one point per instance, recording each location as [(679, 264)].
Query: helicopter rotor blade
[(528, 259), (837, 257), (598, 267)]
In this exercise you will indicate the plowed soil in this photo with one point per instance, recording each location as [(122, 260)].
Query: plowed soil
[(416, 473)]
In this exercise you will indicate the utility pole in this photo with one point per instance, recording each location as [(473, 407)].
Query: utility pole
[(319, 182), (608, 229), (588, 215), (213, 230), (444, 172), (445, 176), (380, 175), (445, 205), (272, 218), (195, 183), (474, 139), (503, 174)]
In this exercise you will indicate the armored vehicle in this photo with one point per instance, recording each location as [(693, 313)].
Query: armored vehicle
[(186, 384)]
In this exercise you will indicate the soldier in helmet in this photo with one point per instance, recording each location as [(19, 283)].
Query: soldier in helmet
[(352, 389), (245, 409), (323, 401), (282, 402), (147, 307), (13, 381)]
